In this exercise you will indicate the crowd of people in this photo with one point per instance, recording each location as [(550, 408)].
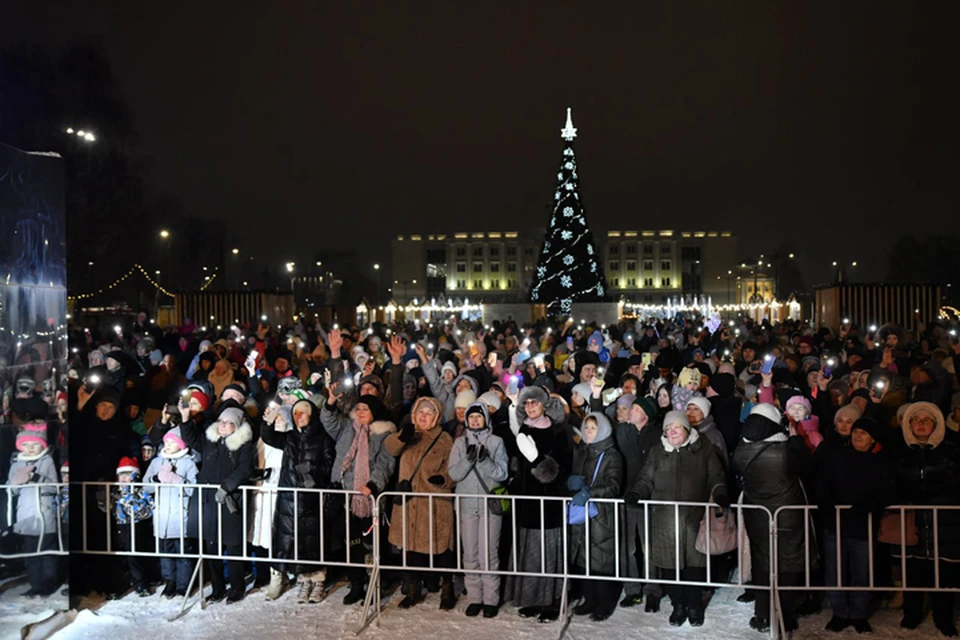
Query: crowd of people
[(682, 409)]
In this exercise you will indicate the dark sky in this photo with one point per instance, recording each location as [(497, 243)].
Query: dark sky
[(313, 124)]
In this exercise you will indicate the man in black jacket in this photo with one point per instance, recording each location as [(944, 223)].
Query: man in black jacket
[(634, 439)]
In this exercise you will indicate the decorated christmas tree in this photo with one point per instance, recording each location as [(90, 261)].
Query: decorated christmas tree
[(569, 269)]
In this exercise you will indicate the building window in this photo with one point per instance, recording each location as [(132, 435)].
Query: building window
[(511, 267), (511, 252), (648, 282), (478, 252), (494, 252), (631, 265), (665, 250), (528, 252), (494, 284), (631, 249), (664, 265), (461, 284), (614, 265), (632, 283), (648, 265), (461, 267), (664, 282), (461, 252), (614, 282), (690, 253), (478, 284), (648, 249), (614, 249), (494, 267), (478, 267), (511, 283)]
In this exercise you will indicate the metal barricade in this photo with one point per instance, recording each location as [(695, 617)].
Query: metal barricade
[(48, 501)]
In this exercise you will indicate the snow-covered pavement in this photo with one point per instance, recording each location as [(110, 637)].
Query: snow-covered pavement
[(134, 617)]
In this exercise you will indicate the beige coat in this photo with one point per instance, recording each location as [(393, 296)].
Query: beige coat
[(417, 514)]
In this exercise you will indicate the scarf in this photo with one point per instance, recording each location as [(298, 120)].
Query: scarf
[(543, 422), (359, 450)]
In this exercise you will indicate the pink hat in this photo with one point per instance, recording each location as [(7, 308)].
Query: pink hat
[(799, 400), (172, 437), (32, 432)]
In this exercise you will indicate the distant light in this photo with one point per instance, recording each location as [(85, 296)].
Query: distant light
[(69, 129), (834, 263), (244, 283), (791, 256), (164, 234), (235, 251), (81, 133), (854, 263), (376, 267), (414, 282), (90, 263), (319, 263), (204, 268), (89, 137), (157, 272)]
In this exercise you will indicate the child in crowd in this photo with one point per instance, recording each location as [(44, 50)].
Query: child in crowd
[(173, 466), (132, 508), (36, 516)]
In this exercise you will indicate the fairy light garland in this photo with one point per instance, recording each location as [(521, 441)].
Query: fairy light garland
[(136, 267), (206, 284)]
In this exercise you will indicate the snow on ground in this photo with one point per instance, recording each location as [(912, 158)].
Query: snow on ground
[(16, 611), (133, 617)]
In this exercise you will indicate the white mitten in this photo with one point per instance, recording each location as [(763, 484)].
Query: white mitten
[(527, 447)]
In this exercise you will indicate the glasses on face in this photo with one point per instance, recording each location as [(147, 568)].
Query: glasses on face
[(530, 401), (922, 422)]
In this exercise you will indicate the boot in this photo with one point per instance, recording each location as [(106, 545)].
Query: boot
[(317, 592), (277, 582), (653, 604), (357, 592), (412, 593), (695, 617), (679, 616), (306, 585), (448, 597)]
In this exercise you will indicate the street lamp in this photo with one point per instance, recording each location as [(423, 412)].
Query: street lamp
[(235, 251), (376, 267), (164, 234)]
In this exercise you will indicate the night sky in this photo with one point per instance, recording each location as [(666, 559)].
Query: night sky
[(305, 125)]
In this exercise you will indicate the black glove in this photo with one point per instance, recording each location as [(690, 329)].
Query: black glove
[(631, 499), (471, 452), (406, 433), (404, 486), (723, 500), (436, 480), (481, 453), (374, 489)]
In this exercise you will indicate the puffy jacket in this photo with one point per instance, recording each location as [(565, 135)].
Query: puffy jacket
[(635, 447), (36, 508), (170, 505), (608, 484), (308, 458), (690, 473), (493, 468)]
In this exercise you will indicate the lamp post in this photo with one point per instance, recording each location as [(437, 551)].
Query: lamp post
[(376, 267)]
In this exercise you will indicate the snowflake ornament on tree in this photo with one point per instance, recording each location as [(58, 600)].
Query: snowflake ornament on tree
[(568, 247)]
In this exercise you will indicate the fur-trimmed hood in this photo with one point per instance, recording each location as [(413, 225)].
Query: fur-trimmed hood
[(381, 427), (235, 440)]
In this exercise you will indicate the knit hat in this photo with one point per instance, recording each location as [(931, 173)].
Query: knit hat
[(108, 394), (849, 410), (128, 465), (701, 403), (798, 399), (478, 407), (648, 405), (762, 423), (676, 417), (868, 425), (688, 375), (205, 344), (465, 399), (170, 436), (145, 441), (604, 430), (583, 390), (449, 366), (626, 400), (32, 432), (232, 415), (490, 399), (200, 397), (375, 405)]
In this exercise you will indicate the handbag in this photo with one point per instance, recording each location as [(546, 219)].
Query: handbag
[(580, 514), (890, 528), (722, 531), (497, 507)]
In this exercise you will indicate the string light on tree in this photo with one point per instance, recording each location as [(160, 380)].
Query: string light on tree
[(567, 271)]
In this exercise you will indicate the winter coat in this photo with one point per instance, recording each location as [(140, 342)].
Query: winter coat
[(851, 477), (171, 503), (416, 517), (690, 473), (308, 457), (382, 463), (36, 506), (930, 475), (608, 484), (265, 500), (708, 429), (726, 413), (131, 503), (493, 468), (771, 470), (545, 476), (442, 390), (227, 463), (635, 447)]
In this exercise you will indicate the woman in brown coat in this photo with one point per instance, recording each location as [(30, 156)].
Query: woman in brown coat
[(424, 451)]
